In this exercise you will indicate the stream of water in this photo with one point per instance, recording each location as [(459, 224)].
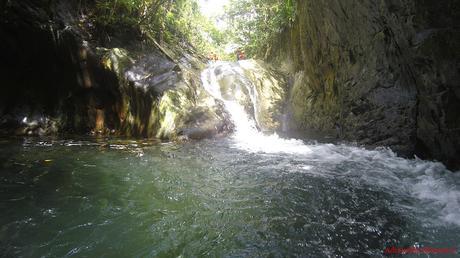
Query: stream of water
[(248, 195)]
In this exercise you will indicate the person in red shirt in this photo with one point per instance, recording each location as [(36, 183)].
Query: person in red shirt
[(240, 55)]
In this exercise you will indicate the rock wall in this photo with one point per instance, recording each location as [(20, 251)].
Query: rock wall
[(257, 87), (59, 75), (269, 90), (382, 73)]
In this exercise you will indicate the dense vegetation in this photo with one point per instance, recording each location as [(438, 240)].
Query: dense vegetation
[(250, 23), (168, 21), (253, 23)]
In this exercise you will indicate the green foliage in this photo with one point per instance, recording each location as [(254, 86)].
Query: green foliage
[(253, 22), (169, 20), (122, 12), (186, 21)]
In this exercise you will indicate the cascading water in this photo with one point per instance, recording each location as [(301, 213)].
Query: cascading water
[(422, 178), (246, 136)]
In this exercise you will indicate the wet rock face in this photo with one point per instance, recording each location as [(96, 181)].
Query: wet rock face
[(380, 73), (269, 90), (437, 66), (57, 78), (257, 87), (39, 67)]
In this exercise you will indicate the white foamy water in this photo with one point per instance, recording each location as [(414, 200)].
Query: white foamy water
[(247, 136), (431, 183)]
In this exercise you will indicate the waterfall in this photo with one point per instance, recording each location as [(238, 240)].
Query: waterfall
[(423, 180), (227, 82)]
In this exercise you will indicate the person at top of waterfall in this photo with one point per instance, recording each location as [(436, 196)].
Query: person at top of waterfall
[(212, 57), (240, 54)]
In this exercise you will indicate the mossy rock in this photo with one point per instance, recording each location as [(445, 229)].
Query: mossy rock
[(116, 60), (270, 88)]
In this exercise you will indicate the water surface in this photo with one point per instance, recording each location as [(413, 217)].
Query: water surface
[(118, 198)]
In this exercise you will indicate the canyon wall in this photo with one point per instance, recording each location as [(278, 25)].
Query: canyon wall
[(381, 73), (60, 74)]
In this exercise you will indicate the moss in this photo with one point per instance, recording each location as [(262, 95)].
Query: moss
[(154, 120), (173, 108), (116, 60)]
